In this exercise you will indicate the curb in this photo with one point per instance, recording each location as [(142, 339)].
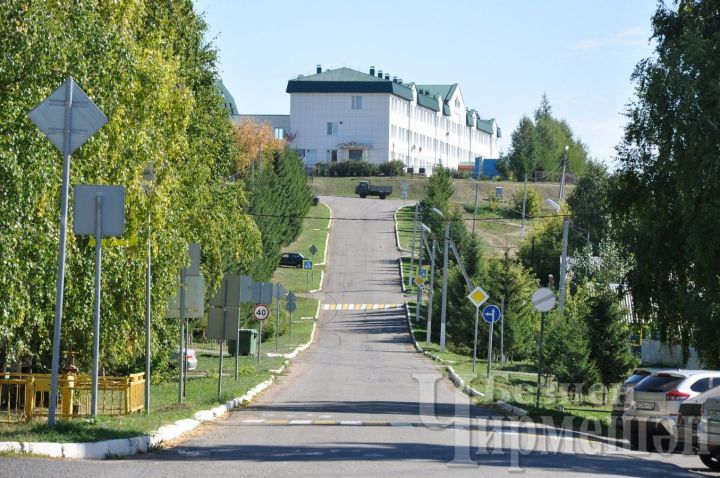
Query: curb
[(322, 277), (397, 233), (121, 447), (454, 377), (511, 409), (327, 236), (402, 276)]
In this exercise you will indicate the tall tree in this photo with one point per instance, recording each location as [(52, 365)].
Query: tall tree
[(665, 204), (589, 203)]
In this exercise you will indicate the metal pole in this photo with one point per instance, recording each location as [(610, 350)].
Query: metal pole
[(222, 341), (181, 392), (476, 205), (563, 266), (98, 288), (522, 224), (412, 247), (502, 331), (431, 293), (148, 291), (188, 333), (540, 359), (562, 179), (477, 314), (60, 286), (237, 343), (443, 307), (419, 290), (490, 341), (290, 325), (262, 322), (277, 319)]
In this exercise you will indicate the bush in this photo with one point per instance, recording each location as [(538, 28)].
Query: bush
[(455, 174), (392, 168), (353, 168), (533, 202)]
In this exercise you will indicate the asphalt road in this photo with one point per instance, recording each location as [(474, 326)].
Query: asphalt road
[(361, 402)]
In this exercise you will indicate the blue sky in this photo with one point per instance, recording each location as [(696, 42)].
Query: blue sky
[(504, 54)]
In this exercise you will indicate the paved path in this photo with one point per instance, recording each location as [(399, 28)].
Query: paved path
[(361, 402)]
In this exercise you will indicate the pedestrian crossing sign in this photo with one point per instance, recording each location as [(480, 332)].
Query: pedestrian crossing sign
[(423, 272)]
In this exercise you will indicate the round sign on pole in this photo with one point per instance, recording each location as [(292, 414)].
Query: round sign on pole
[(491, 314), (543, 299), (261, 312), (290, 306)]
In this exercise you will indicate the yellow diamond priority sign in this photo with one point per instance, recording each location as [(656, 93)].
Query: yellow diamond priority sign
[(478, 296), (419, 281)]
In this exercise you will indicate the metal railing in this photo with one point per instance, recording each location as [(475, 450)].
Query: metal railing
[(25, 396)]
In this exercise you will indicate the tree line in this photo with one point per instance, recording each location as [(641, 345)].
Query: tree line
[(149, 68)]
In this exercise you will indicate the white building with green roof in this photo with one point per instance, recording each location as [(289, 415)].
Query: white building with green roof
[(343, 114)]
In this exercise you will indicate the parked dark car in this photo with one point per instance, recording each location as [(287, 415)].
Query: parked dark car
[(292, 259)]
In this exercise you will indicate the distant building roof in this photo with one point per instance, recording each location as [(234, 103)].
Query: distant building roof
[(345, 80), (228, 100)]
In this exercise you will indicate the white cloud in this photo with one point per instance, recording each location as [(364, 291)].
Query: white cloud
[(629, 36)]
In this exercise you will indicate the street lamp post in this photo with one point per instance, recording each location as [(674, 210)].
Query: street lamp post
[(148, 180), (431, 292), (476, 205), (562, 179), (423, 230), (443, 304)]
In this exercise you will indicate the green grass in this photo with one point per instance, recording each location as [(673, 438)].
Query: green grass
[(314, 232), (464, 188), (405, 217), (515, 383), (201, 393)]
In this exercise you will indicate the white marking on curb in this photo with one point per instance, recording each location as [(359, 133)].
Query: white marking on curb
[(350, 422), (300, 422)]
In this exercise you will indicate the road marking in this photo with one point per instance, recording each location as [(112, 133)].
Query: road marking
[(375, 306), (350, 422), (361, 306), (364, 306), (274, 421), (345, 306), (351, 307), (326, 307), (300, 422)]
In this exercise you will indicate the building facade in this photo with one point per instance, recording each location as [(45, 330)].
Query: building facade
[(344, 114)]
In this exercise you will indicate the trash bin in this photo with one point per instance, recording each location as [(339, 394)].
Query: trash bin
[(248, 343), (315, 200)]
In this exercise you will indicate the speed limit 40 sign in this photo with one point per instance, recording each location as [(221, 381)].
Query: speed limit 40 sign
[(261, 312)]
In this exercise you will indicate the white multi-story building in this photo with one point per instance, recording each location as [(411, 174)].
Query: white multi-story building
[(344, 114)]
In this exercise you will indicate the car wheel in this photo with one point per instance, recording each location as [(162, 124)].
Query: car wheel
[(711, 461), (362, 196), (298, 265)]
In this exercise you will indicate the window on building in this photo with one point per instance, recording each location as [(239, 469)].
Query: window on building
[(357, 102), (332, 129), (355, 154), (279, 133), (331, 155)]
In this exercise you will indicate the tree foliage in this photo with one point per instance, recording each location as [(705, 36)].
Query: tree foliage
[(148, 68), (589, 203), (538, 146), (666, 201)]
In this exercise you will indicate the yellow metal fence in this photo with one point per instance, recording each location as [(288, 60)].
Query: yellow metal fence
[(25, 396)]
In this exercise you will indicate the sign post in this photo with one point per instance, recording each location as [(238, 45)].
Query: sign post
[(108, 205), (67, 118), (279, 293), (543, 299), (307, 267), (290, 306), (477, 297), (261, 312), (491, 314), (313, 250)]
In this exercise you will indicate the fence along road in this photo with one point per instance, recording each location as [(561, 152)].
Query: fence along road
[(361, 401)]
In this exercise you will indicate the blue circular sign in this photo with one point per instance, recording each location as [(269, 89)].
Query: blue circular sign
[(491, 314)]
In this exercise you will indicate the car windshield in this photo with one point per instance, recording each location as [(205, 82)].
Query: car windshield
[(658, 383)]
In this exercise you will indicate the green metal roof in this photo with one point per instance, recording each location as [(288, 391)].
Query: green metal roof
[(228, 100), (345, 80), (429, 102), (485, 125)]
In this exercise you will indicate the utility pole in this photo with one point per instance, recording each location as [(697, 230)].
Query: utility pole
[(443, 308), (412, 246), (562, 179), (563, 265), (476, 206), (502, 331), (522, 224), (431, 292)]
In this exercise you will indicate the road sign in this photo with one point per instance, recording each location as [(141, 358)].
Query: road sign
[(217, 330), (404, 194), (290, 306), (313, 250), (262, 293), (419, 281), (307, 264), (85, 117), (261, 312), (478, 296), (194, 299), (279, 291), (291, 297), (112, 207), (491, 314), (404, 186), (194, 252), (423, 272), (543, 299), (240, 289)]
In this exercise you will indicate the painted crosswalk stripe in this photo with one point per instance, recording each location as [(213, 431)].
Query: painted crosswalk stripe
[(351, 307), (363, 307), (326, 307)]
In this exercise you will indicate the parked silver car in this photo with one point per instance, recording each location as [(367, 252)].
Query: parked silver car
[(621, 403), (654, 403), (709, 434), (689, 416)]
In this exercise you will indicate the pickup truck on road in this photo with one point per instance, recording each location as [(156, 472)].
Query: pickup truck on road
[(365, 189)]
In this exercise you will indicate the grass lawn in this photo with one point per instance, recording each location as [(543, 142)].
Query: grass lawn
[(516, 383), (201, 393), (314, 232), (405, 226)]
